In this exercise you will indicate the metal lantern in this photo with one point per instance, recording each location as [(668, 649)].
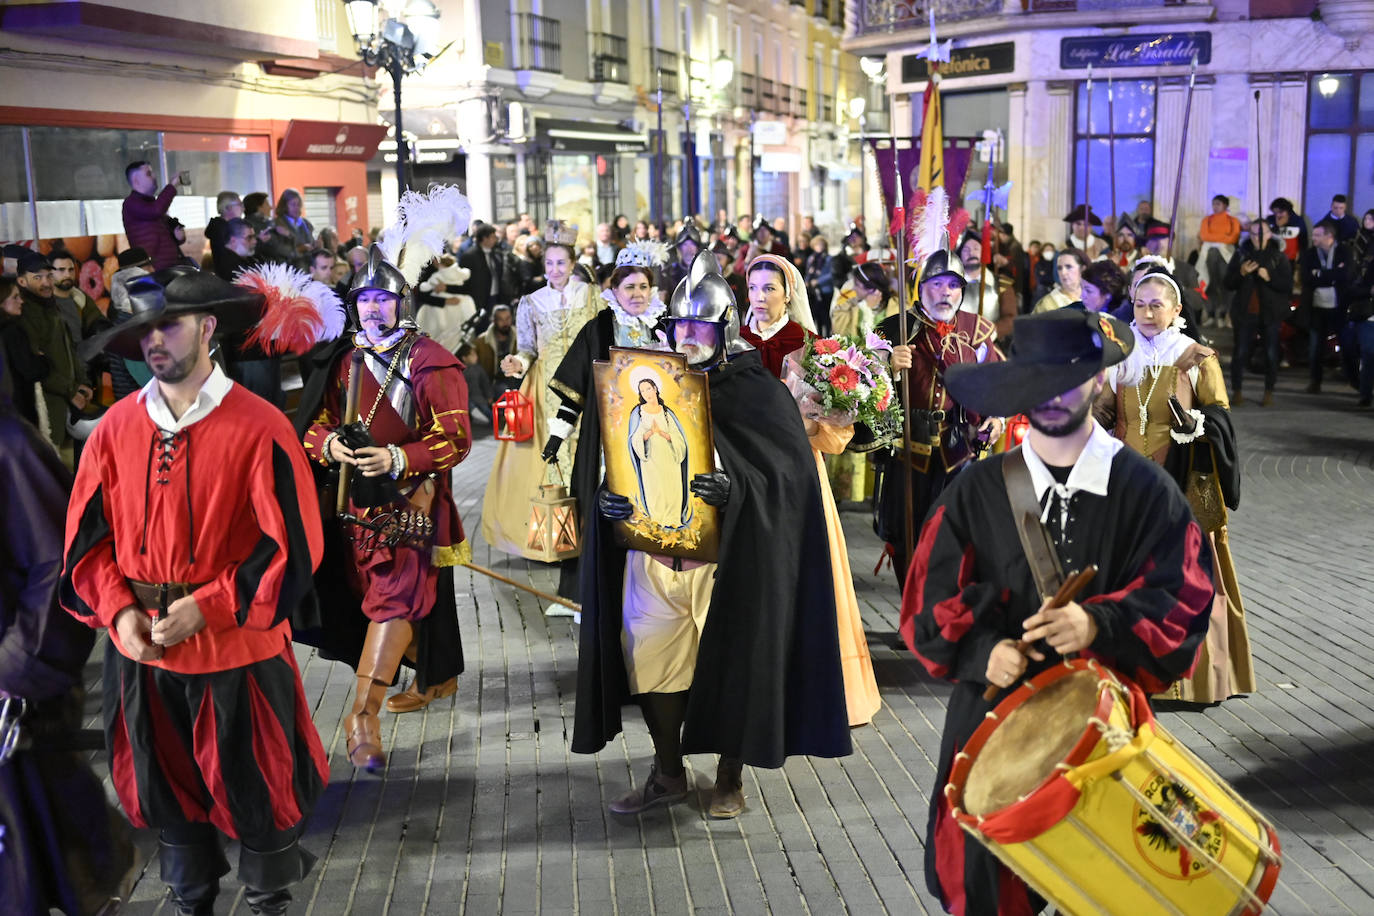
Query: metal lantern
[(513, 417), (552, 534)]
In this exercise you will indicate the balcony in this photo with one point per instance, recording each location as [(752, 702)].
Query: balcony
[(784, 99), (610, 60), (879, 16), (768, 97), (827, 112), (748, 91), (540, 46), (800, 110), (664, 65)]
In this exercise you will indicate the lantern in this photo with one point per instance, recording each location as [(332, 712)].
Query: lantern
[(552, 533), (513, 417), (1017, 427)]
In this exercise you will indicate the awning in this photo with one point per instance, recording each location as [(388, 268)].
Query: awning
[(589, 136), (330, 140)]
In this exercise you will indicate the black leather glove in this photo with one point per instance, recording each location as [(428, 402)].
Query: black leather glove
[(613, 505), (713, 488), (551, 448), (1181, 421)]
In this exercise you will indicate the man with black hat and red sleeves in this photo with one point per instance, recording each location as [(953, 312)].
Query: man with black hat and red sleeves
[(944, 435), (971, 594), (192, 534)]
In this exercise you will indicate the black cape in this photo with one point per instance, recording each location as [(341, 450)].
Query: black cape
[(971, 586), (343, 625), (768, 683)]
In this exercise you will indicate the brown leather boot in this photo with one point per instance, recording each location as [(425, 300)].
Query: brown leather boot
[(386, 643), (727, 798), (412, 700)]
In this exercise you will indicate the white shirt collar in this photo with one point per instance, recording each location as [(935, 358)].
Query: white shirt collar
[(1090, 472), (211, 395), (767, 333)]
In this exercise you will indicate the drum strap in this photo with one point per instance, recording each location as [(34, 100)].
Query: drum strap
[(1036, 542)]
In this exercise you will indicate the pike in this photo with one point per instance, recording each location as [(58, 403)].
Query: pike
[(1182, 150), (355, 390), (904, 292), (1088, 170), (1111, 147)]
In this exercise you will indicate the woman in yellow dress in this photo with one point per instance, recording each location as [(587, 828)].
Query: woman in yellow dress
[(1168, 401), (860, 687), (546, 323)]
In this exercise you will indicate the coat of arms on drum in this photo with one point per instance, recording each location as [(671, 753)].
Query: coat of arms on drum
[(1178, 825)]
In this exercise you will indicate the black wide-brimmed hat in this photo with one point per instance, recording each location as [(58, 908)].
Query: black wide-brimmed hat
[(171, 292), (1051, 353), (1077, 214)]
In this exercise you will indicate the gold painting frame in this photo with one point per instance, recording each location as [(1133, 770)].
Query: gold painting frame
[(652, 454)]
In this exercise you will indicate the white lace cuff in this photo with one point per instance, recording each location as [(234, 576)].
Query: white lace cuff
[(560, 428), (1197, 433)]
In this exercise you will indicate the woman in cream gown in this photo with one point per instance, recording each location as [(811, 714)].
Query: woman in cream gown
[(546, 323), (860, 687), (1135, 404)]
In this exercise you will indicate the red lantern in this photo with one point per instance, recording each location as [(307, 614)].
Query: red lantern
[(1017, 427), (514, 417)]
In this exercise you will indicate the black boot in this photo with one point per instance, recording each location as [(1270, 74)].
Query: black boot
[(191, 870), (267, 876)]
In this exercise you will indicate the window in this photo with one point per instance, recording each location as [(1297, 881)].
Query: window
[(1130, 148), (1340, 142), (607, 187), (537, 198)]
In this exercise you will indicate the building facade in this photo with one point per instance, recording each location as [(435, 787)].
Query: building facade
[(553, 108), (254, 96), (1282, 102)]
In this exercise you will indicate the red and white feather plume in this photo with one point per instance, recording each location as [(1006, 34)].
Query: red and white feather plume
[(299, 312)]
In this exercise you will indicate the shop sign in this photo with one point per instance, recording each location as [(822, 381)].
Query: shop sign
[(1160, 49), (770, 133), (979, 60), (780, 162), (331, 140)]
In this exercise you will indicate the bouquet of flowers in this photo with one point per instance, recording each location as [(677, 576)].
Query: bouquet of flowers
[(842, 380)]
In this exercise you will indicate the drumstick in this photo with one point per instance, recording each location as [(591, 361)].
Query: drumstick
[(1067, 592)]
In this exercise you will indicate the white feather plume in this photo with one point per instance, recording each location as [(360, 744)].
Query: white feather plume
[(425, 223), (643, 253), (930, 231)]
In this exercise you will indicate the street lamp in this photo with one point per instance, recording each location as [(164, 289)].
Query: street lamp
[(722, 72), (398, 36), (857, 106)]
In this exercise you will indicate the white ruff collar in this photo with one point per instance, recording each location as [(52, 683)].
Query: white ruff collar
[(649, 317), (1163, 350)]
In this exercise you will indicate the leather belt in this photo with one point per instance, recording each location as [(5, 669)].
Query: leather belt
[(156, 596)]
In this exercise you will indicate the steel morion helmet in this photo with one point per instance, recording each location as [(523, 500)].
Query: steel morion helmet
[(703, 295), (378, 273)]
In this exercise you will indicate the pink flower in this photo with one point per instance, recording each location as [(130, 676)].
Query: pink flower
[(876, 342), (844, 378), (826, 345)]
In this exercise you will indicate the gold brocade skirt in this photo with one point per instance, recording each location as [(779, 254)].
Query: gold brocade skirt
[(860, 687), (1224, 665), (851, 477)]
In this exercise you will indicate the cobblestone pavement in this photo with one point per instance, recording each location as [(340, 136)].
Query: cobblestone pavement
[(484, 809)]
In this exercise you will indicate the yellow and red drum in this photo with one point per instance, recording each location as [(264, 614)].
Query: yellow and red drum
[(1077, 789)]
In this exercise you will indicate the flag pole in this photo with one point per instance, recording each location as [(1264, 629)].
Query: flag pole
[(1182, 151), (903, 332)]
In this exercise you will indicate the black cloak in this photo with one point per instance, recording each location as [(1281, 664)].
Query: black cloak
[(768, 683)]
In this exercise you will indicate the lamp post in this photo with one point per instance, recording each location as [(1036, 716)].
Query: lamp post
[(399, 37)]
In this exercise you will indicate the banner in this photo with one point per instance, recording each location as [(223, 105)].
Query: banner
[(931, 172), (959, 153)]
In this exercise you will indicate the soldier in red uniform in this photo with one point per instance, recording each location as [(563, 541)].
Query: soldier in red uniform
[(943, 434), (412, 429), (192, 534)]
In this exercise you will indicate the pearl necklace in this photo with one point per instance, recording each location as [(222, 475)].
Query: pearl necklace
[(1158, 372)]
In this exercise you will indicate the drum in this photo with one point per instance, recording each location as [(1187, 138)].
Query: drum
[(1076, 788)]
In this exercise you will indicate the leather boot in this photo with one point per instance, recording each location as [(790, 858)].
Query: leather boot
[(413, 700), (191, 872), (385, 644), (268, 876), (727, 798)]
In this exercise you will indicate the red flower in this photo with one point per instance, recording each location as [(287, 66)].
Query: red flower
[(825, 345), (886, 399), (843, 377)]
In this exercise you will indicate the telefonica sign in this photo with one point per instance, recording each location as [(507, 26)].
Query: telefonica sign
[(979, 60), (1165, 49)]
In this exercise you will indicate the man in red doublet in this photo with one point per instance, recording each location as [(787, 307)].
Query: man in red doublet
[(192, 535), (412, 406), (939, 335)]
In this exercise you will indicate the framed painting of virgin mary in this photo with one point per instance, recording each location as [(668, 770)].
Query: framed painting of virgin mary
[(656, 436)]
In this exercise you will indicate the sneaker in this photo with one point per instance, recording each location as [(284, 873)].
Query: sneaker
[(559, 610), (1268, 399), (657, 790)]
